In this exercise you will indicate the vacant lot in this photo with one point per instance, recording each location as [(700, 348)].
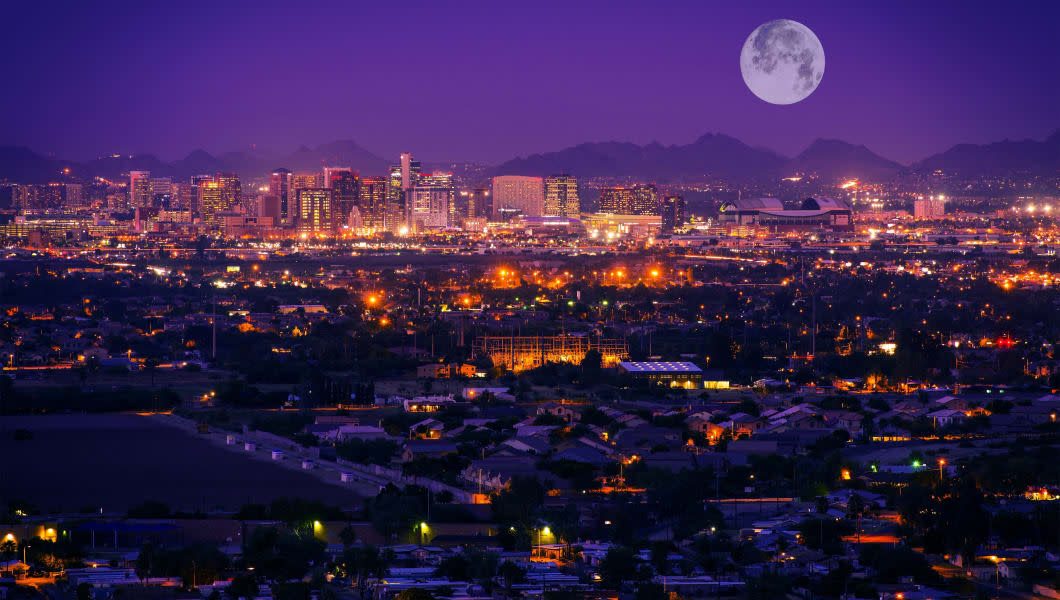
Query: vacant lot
[(77, 462)]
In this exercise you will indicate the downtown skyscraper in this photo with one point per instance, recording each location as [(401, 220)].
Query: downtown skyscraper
[(515, 195), (403, 176), (218, 194), (635, 200), (371, 202), (315, 211), (280, 185), (561, 197)]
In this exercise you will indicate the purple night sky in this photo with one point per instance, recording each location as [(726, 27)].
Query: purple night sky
[(491, 80)]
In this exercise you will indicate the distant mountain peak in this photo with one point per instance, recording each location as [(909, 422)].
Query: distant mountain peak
[(197, 154)]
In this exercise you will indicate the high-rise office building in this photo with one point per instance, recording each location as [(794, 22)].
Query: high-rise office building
[(371, 201), (197, 181), (395, 200), (307, 181), (211, 202), (673, 212), (518, 195), (280, 185), (299, 183), (636, 200), (183, 196), (478, 203), (410, 171), (929, 208), (315, 211), (403, 176), (139, 188), (219, 194), (333, 173), (73, 196), (269, 206), (162, 192), (431, 201), (343, 185), (233, 191), (561, 197)]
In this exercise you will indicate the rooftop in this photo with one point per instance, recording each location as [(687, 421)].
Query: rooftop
[(660, 367)]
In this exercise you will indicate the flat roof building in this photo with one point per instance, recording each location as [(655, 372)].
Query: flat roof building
[(674, 374)]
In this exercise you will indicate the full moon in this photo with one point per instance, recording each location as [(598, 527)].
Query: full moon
[(782, 61)]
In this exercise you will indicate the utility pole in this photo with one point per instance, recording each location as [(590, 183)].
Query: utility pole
[(214, 320), (813, 330)]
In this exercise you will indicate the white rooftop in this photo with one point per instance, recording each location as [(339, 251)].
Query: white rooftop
[(660, 367)]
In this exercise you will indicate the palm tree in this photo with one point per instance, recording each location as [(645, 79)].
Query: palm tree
[(856, 510)]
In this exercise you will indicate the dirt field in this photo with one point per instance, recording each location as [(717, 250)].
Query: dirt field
[(77, 462)]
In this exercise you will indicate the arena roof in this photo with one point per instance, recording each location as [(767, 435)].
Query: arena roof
[(660, 367)]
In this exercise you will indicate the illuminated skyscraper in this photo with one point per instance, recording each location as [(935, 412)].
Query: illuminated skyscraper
[(306, 181), (183, 196), (221, 193), (343, 185), (518, 195), (299, 183), (211, 202), (162, 192), (280, 185), (478, 204), (636, 200), (333, 173), (402, 177), (371, 201), (230, 186), (673, 212), (197, 182), (410, 171), (314, 210), (929, 208), (139, 188), (561, 197), (431, 202)]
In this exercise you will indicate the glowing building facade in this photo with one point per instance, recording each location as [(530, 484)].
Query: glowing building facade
[(561, 197), (520, 353)]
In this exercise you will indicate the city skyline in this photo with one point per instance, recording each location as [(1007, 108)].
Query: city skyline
[(679, 79), (585, 301)]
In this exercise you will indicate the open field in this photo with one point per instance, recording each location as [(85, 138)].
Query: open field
[(77, 462)]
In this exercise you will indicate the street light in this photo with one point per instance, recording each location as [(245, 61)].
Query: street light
[(540, 534)]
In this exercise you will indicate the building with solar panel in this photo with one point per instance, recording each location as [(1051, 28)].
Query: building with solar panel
[(671, 374)]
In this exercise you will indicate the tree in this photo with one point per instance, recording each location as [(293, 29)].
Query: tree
[(660, 561), (365, 562), (564, 523), (650, 591), (396, 511), (454, 568), (291, 590), (283, 554), (244, 585), (144, 562), (415, 594), (519, 502), (856, 510), (151, 366), (618, 565), (511, 574)]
